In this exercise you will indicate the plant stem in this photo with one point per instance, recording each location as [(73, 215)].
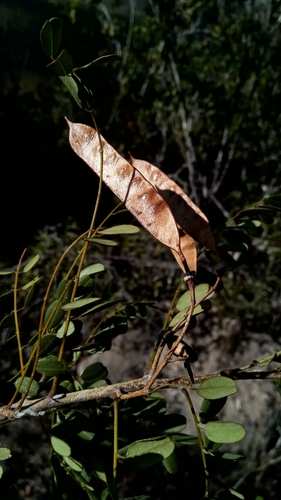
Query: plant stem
[(200, 441)]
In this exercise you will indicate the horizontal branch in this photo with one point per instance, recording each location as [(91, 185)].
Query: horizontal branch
[(121, 390)]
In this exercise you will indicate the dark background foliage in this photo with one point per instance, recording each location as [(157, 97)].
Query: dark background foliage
[(197, 92)]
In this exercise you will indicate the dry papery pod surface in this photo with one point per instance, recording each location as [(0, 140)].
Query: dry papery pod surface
[(157, 202)]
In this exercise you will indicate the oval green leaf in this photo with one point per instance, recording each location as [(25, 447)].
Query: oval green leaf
[(200, 292), (72, 88), (86, 435), (162, 448), (216, 388), (94, 372), (224, 432), (79, 303), (31, 263), (70, 330), (171, 463), (33, 390), (122, 229), (5, 273), (73, 464), (50, 36), (31, 283), (102, 241), (60, 446), (56, 313), (50, 366), (5, 453), (93, 269)]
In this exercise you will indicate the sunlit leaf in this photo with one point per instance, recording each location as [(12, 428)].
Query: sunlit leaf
[(86, 435), (31, 263), (149, 451), (5, 273), (122, 229), (5, 453), (92, 269), (217, 387), (79, 303), (60, 446), (70, 330), (224, 432), (33, 390), (200, 292), (72, 88), (102, 241), (31, 283), (72, 463)]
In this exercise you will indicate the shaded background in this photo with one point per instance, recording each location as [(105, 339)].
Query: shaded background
[(197, 93)]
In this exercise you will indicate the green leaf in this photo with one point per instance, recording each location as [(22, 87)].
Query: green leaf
[(205, 306), (72, 87), (101, 306), (70, 330), (171, 464), (50, 36), (200, 291), (224, 432), (60, 446), (250, 224), (232, 456), (57, 316), (1, 471), (236, 493), (86, 435), (122, 229), (31, 263), (31, 283), (102, 241), (33, 390), (63, 65), (48, 342), (5, 453), (94, 372), (5, 273), (79, 303), (64, 291), (93, 269), (72, 463), (216, 388), (149, 451), (50, 366)]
